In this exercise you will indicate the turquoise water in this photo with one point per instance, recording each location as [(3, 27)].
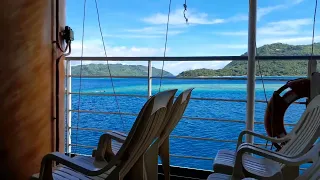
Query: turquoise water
[(226, 89)]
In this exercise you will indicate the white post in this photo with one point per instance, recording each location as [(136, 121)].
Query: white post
[(149, 79), (68, 106), (251, 68)]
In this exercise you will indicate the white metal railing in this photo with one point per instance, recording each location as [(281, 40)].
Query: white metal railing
[(69, 92)]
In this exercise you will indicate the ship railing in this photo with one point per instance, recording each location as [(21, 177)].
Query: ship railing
[(312, 65)]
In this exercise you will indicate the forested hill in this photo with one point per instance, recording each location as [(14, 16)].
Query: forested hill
[(116, 70), (268, 68)]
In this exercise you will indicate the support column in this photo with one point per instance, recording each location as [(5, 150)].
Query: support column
[(27, 123), (251, 68)]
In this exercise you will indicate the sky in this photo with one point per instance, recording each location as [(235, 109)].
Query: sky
[(215, 28)]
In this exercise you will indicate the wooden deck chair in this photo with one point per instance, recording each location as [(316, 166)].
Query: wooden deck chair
[(171, 121), (300, 140), (311, 173), (132, 161)]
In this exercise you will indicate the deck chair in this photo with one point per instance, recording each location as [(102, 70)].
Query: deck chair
[(300, 140), (133, 160), (171, 121), (311, 173)]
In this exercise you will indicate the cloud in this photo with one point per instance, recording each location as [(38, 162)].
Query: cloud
[(237, 17), (177, 18), (133, 36), (155, 30), (95, 48), (296, 1), (230, 46), (232, 33), (278, 28), (297, 40), (177, 67), (266, 10), (151, 32)]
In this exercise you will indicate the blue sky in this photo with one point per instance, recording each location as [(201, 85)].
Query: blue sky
[(137, 28)]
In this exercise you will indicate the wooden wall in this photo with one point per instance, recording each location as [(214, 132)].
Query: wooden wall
[(27, 124)]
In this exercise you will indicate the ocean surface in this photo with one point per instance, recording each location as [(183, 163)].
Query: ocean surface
[(224, 89)]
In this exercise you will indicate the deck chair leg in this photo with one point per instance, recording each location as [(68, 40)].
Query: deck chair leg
[(151, 162), (165, 159), (137, 171), (290, 172)]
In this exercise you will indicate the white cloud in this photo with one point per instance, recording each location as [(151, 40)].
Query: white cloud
[(229, 46), (232, 33), (298, 40), (177, 67), (95, 48), (237, 17), (278, 28), (292, 23), (133, 36), (177, 18), (158, 30), (296, 1), (266, 10)]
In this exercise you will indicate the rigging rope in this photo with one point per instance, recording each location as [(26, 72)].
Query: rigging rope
[(264, 89), (80, 73), (111, 79), (165, 44), (184, 11)]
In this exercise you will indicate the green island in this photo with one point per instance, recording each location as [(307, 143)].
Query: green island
[(116, 70), (268, 68)]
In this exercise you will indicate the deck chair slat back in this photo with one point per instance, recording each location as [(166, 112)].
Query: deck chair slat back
[(306, 133), (176, 114), (141, 136), (144, 129)]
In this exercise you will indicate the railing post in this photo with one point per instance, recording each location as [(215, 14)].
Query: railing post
[(68, 107), (312, 66), (149, 79), (251, 68), (314, 78)]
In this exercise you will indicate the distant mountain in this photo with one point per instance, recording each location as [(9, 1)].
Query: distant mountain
[(268, 68), (116, 70)]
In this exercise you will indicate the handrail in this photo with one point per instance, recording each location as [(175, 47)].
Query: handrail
[(192, 58), (176, 78), (183, 117), (194, 98)]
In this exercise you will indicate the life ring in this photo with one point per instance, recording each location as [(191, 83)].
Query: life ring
[(277, 106)]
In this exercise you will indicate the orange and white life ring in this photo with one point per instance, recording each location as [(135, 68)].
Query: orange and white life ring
[(277, 106)]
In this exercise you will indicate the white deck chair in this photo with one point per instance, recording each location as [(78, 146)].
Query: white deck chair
[(134, 160), (300, 140), (171, 121), (311, 173)]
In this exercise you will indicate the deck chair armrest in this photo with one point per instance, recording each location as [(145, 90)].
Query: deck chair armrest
[(274, 140), (249, 148), (113, 135), (275, 156), (46, 165), (118, 136), (104, 149)]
